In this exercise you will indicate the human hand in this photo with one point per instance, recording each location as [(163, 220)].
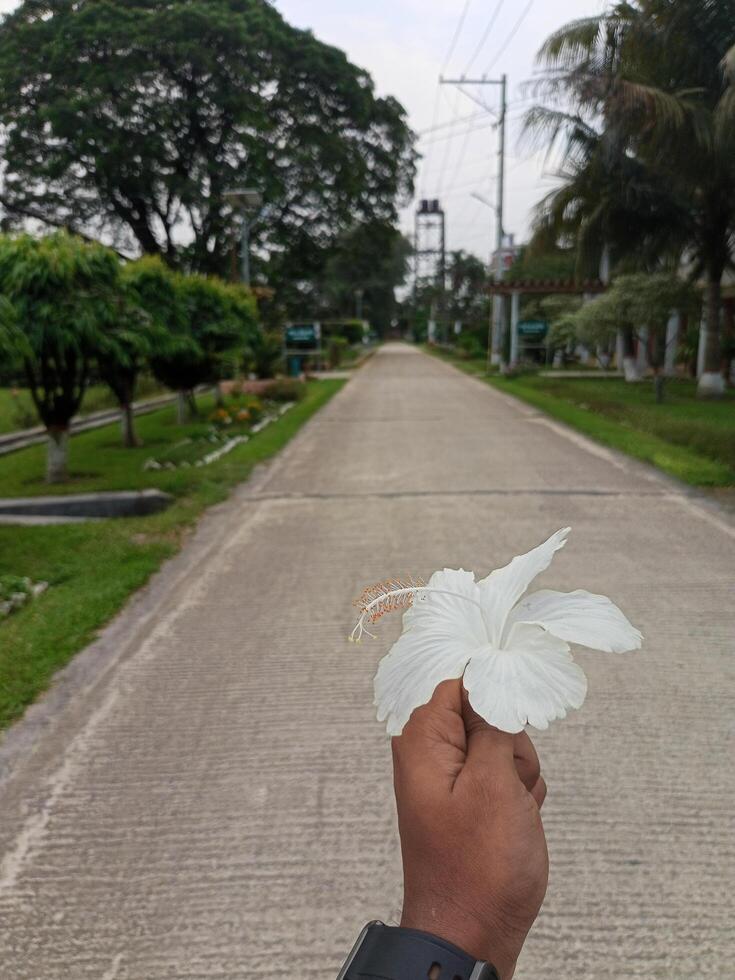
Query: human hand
[(475, 864)]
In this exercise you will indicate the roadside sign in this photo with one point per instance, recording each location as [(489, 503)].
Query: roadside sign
[(533, 330), (303, 335)]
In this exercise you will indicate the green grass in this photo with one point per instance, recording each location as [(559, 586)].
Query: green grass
[(93, 568), (689, 438), (17, 411)]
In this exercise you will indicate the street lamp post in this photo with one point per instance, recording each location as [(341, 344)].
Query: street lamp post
[(248, 202)]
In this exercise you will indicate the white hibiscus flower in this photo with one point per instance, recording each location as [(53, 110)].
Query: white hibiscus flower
[(513, 652)]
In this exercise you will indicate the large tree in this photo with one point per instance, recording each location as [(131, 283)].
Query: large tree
[(133, 120), (644, 99), (368, 263)]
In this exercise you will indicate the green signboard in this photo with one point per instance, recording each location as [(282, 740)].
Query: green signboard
[(533, 330), (303, 335)]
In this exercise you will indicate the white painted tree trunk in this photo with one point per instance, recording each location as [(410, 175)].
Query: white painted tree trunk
[(631, 369), (620, 351), (182, 407), (642, 358), (57, 455), (672, 344), (711, 383)]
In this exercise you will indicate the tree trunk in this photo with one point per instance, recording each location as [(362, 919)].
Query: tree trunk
[(130, 440), (57, 454), (182, 407), (711, 381), (630, 361)]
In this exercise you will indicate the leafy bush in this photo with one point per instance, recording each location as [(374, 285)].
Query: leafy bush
[(263, 354), (286, 390), (351, 330), (336, 350), (469, 347)]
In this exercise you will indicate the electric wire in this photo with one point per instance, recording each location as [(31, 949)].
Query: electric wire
[(455, 39), (485, 35), (506, 44)]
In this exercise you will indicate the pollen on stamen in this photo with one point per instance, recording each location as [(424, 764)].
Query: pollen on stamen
[(391, 595)]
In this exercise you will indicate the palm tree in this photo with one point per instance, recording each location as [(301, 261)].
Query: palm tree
[(644, 114)]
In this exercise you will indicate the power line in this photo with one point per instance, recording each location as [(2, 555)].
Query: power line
[(504, 47), (450, 136), (450, 52), (485, 36), (458, 31), (447, 125)]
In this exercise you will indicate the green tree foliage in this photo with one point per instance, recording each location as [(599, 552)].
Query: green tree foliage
[(263, 353), (635, 304), (135, 118), (64, 297), (213, 321), (371, 259), (123, 353), (544, 265), (641, 102)]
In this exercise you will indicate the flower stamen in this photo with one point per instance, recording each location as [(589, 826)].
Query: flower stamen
[(390, 596)]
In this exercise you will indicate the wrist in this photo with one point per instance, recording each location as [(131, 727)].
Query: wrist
[(475, 935)]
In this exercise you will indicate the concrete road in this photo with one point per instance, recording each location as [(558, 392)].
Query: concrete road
[(206, 794)]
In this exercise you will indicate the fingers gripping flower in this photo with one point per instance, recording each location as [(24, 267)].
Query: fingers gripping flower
[(513, 651)]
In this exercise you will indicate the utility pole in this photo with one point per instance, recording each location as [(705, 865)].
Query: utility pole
[(495, 338)]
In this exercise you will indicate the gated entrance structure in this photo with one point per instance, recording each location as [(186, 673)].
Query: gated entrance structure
[(517, 288)]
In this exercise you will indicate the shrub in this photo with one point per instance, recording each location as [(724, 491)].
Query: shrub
[(263, 353), (336, 350), (286, 390)]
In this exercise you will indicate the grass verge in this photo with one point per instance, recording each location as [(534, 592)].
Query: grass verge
[(688, 438), (93, 568)]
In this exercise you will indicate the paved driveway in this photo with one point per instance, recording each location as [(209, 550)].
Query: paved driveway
[(209, 795)]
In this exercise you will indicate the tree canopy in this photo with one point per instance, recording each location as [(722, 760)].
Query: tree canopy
[(641, 102), (131, 120)]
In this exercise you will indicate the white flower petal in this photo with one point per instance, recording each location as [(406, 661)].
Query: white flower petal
[(453, 610), (533, 682), (579, 617), (440, 633), (504, 587)]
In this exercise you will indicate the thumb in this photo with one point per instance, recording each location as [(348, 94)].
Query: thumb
[(487, 747)]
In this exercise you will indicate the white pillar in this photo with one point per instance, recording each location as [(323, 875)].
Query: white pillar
[(672, 344), (515, 315), (496, 355)]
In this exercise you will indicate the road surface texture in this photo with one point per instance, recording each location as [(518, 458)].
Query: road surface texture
[(205, 793)]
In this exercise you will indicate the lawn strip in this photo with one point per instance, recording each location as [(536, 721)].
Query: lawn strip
[(93, 568)]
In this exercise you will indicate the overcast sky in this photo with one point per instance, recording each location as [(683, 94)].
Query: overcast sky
[(405, 44)]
